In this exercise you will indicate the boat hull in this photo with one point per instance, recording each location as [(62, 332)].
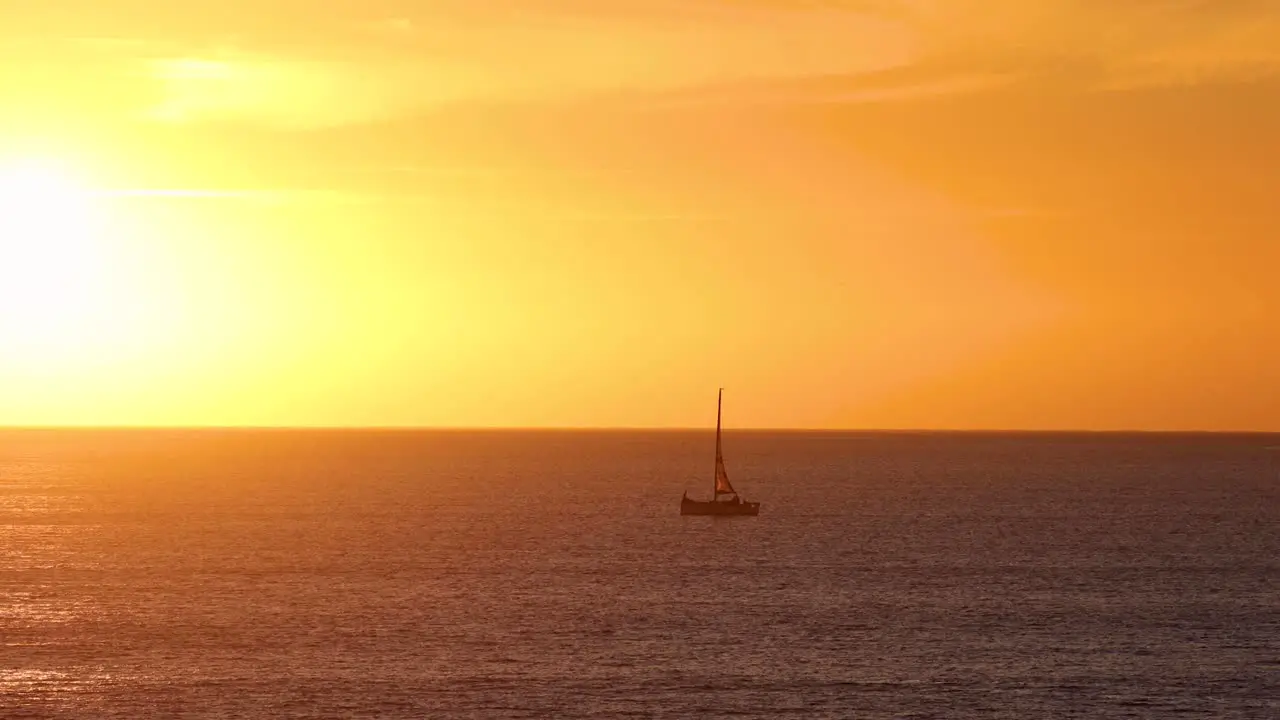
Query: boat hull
[(719, 509)]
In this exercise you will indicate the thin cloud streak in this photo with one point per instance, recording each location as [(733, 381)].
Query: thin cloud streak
[(185, 193), (273, 196)]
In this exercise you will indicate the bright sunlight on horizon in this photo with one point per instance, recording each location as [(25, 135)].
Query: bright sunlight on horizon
[(914, 215)]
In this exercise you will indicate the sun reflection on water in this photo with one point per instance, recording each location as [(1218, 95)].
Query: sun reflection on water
[(47, 596)]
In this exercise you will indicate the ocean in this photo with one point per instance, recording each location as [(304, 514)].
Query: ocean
[(496, 574)]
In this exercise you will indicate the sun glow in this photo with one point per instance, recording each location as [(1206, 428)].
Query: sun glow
[(53, 266)]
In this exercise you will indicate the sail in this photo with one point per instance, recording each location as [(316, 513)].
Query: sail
[(722, 485), (722, 478)]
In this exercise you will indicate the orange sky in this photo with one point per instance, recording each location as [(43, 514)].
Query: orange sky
[(906, 213)]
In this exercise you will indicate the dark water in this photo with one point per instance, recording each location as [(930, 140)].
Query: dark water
[(362, 575)]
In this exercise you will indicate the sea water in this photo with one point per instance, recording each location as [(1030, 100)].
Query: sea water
[(329, 574)]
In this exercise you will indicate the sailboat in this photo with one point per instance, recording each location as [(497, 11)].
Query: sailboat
[(724, 499)]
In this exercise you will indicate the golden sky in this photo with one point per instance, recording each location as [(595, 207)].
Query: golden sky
[(873, 213)]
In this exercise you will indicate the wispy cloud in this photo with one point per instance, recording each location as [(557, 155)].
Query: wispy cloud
[(183, 193), (394, 27), (352, 64), (1205, 37), (256, 196), (554, 52)]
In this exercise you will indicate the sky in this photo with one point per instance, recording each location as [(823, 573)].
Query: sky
[(869, 214)]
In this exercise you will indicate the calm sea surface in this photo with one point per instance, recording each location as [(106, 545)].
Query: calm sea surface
[(549, 575)]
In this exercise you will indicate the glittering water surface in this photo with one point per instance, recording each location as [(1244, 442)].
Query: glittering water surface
[(451, 574)]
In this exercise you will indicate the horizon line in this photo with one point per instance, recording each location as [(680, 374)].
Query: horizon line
[(643, 428)]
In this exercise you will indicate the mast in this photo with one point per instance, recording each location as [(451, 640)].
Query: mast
[(715, 471)]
